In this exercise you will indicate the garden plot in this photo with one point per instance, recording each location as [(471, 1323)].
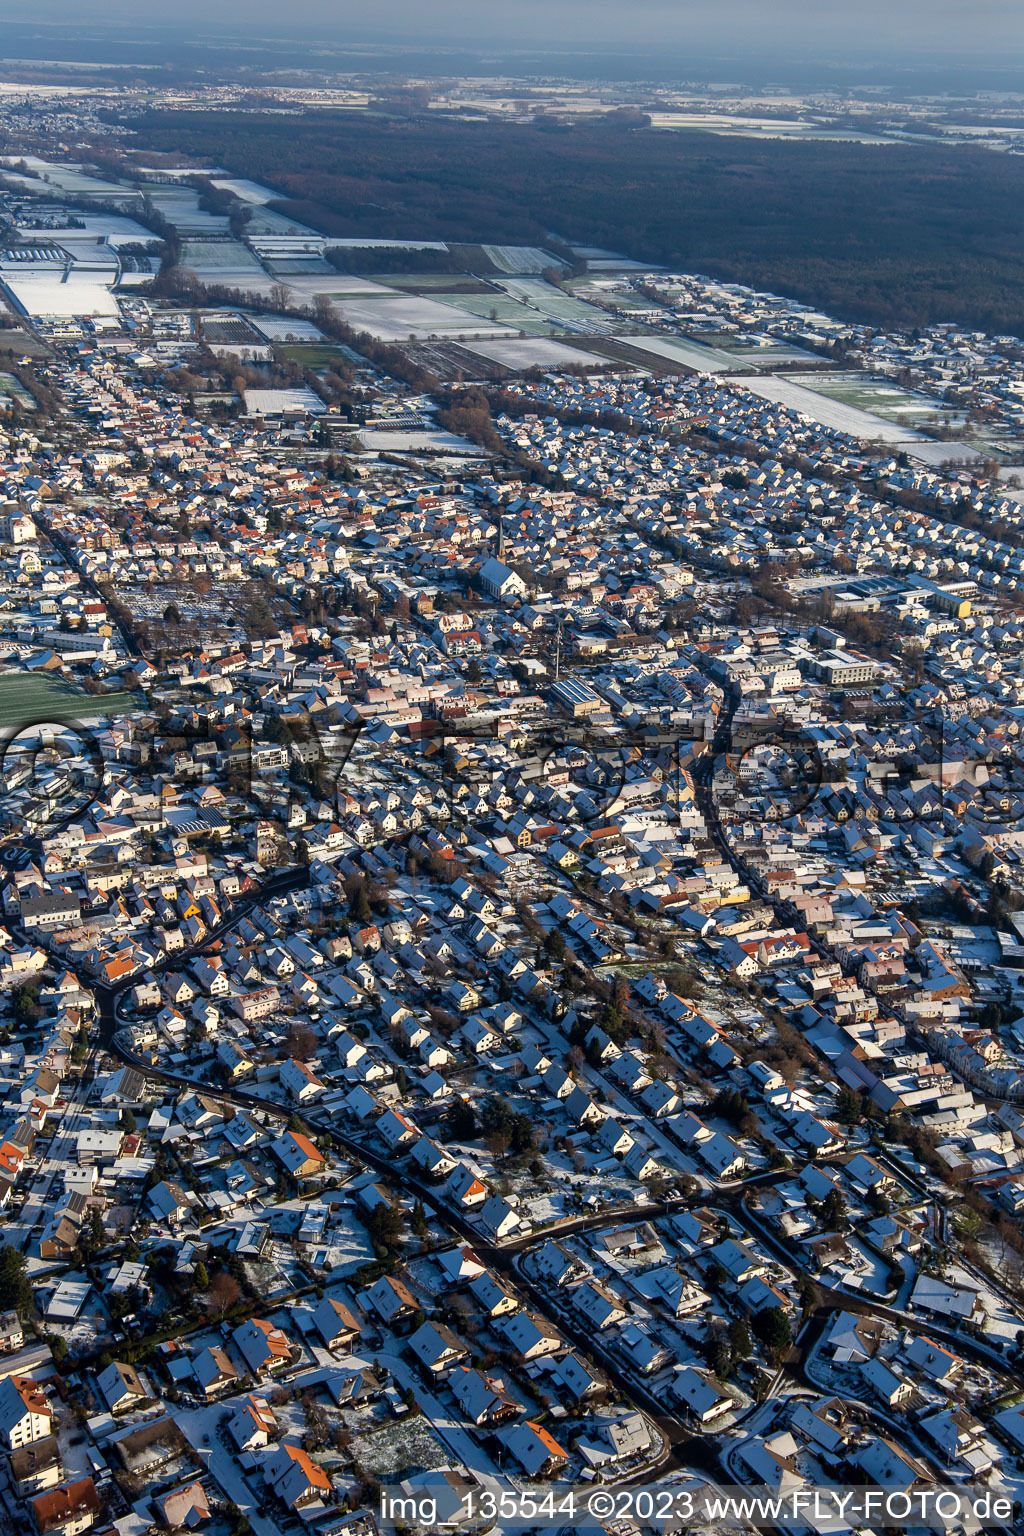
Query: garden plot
[(398, 318), (395, 1449), (538, 352)]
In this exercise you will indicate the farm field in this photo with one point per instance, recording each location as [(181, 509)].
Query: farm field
[(397, 318), (336, 285), (831, 413), (311, 355), (434, 282), (880, 396), (520, 258), (217, 257), (537, 352), (687, 354), (508, 311), (32, 698), (559, 308), (14, 388), (180, 207)]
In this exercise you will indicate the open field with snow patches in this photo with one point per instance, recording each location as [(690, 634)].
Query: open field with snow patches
[(830, 413), (536, 352), (398, 318)]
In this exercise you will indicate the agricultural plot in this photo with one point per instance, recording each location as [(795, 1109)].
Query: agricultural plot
[(230, 330), (520, 258), (840, 417), (452, 363), (14, 389), (217, 259), (246, 191), (558, 308), (312, 355), (687, 354), (500, 308), (880, 396), (389, 245), (429, 440), (32, 698), (180, 207), (502, 311), (398, 318), (267, 221), (434, 282), (70, 179), (537, 352), (336, 285)]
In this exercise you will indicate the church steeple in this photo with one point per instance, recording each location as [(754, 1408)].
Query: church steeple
[(501, 537)]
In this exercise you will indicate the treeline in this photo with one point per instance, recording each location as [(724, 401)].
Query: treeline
[(887, 234), (391, 258), (181, 283)]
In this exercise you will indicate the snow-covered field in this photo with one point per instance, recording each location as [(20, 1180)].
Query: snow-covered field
[(535, 352), (336, 285), (687, 353), (830, 413), (218, 259), (520, 258), (247, 191), (397, 318), (436, 441)]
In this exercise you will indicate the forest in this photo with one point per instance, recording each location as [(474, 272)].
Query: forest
[(883, 234)]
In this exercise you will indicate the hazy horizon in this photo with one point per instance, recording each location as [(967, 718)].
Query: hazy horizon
[(750, 35)]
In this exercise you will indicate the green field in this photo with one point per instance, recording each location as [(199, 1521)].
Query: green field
[(311, 355), (433, 282), (880, 396), (33, 699)]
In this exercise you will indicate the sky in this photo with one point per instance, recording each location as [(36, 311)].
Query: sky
[(851, 30)]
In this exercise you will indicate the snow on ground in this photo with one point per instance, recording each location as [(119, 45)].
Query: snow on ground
[(246, 191), (830, 413), (535, 352), (520, 258), (397, 318)]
